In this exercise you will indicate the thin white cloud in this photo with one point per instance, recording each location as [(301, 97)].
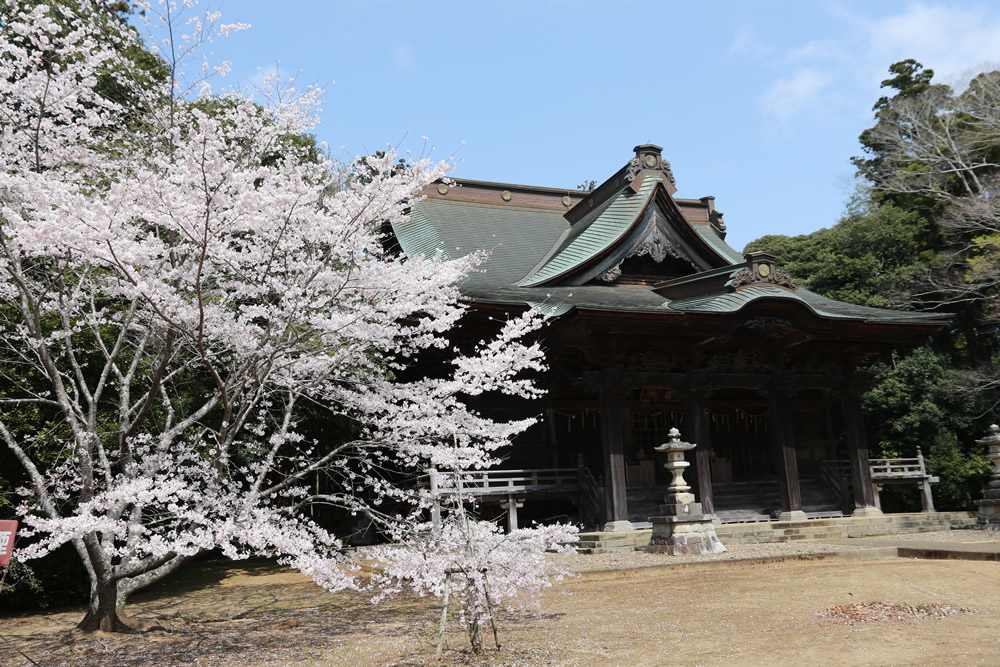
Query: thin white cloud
[(402, 57), (800, 92), (948, 39), (746, 42), (955, 40), (819, 50)]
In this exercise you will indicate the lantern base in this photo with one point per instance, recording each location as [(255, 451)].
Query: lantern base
[(989, 513), (681, 535)]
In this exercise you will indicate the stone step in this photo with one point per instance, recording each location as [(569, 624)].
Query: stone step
[(786, 531), (741, 516)]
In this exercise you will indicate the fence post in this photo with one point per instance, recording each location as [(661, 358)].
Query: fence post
[(511, 505), (435, 501), (926, 498)]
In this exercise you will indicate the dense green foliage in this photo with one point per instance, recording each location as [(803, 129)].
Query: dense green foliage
[(937, 152), (918, 401), (921, 234), (871, 257)]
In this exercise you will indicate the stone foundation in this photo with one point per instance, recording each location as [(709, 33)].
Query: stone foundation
[(787, 531), (680, 537), (989, 514), (684, 529), (989, 507)]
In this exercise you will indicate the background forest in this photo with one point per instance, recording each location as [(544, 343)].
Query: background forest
[(922, 232)]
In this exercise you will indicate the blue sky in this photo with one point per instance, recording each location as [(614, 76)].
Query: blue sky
[(757, 103)]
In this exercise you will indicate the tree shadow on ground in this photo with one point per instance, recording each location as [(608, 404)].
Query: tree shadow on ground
[(238, 624)]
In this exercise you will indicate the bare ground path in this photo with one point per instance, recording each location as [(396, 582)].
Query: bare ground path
[(737, 615)]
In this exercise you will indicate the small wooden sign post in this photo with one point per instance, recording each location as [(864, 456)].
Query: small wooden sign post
[(7, 531)]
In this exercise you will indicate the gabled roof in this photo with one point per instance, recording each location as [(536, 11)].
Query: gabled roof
[(564, 249)]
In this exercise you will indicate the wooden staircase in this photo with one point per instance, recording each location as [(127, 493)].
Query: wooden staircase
[(742, 502), (745, 502)]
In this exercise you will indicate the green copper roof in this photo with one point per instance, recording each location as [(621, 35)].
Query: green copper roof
[(513, 238), (531, 246), (594, 234), (730, 302), (717, 244), (558, 301)]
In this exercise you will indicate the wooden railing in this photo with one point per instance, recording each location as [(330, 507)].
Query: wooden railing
[(881, 469), (506, 482), (892, 471), (885, 469)]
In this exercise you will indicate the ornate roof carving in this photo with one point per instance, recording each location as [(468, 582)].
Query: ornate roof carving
[(760, 270), (652, 161), (653, 242), (612, 274)]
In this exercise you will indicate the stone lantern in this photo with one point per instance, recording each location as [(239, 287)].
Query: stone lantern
[(683, 528), (989, 507)]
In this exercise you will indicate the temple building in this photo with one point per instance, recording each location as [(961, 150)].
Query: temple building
[(658, 323)]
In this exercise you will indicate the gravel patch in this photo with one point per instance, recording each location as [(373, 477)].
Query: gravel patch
[(878, 612), (636, 559), (961, 536)]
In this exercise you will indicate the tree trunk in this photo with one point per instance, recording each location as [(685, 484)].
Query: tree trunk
[(107, 599), (107, 613), (103, 613)]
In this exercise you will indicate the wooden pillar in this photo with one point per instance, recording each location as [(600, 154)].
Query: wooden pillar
[(926, 498), (432, 477), (866, 501), (785, 457), (613, 448), (550, 418), (512, 504), (696, 431)]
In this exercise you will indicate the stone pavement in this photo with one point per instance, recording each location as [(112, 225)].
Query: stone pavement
[(988, 549), (968, 544)]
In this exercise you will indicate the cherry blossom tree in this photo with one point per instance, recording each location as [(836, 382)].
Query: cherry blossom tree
[(473, 563), (179, 289)]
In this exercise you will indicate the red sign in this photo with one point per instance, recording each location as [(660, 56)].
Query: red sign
[(7, 531)]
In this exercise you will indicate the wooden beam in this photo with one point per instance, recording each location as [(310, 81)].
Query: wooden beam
[(613, 448), (865, 498), (698, 433), (784, 450)]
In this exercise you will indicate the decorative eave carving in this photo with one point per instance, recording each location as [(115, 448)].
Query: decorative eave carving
[(649, 157), (612, 274), (654, 163), (742, 361), (743, 277), (715, 220), (652, 242), (768, 325), (761, 270), (782, 278), (660, 361)]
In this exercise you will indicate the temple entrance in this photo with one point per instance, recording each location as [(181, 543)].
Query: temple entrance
[(742, 442), (645, 428)]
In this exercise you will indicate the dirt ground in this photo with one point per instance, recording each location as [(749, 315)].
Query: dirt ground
[(739, 615)]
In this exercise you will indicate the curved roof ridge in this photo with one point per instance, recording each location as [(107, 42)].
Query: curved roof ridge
[(594, 234)]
